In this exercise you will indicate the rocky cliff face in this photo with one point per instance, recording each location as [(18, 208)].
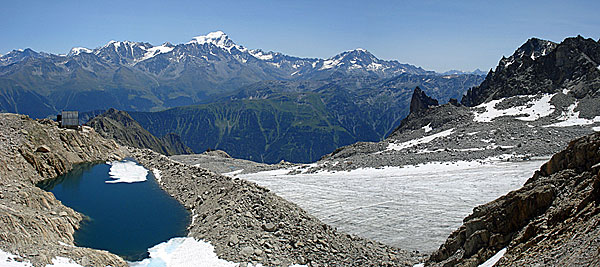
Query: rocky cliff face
[(33, 223), (543, 66), (118, 125), (552, 220)]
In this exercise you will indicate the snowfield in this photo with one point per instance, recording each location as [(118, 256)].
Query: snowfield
[(414, 207), (534, 110)]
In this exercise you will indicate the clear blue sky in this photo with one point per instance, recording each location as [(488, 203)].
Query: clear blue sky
[(437, 35)]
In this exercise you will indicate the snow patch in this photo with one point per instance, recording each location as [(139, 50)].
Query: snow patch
[(571, 118), (494, 259), (330, 63), (260, 54), (10, 260), (422, 140), (427, 128), (374, 66), (596, 129), (533, 110), (157, 175), (233, 173), (63, 262), (184, 251), (157, 50), (126, 172)]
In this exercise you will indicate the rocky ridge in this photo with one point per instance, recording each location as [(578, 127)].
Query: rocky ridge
[(119, 126), (542, 66), (551, 221), (220, 162), (456, 133)]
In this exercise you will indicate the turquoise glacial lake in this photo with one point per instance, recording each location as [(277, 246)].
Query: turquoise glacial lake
[(125, 214)]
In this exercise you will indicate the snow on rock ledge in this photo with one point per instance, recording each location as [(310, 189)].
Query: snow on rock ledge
[(533, 110)]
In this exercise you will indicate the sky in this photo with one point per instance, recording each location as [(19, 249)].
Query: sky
[(436, 35)]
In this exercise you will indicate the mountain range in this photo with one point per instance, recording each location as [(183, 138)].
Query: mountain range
[(139, 76), (216, 94)]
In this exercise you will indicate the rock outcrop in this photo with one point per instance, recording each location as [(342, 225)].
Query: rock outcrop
[(120, 126), (551, 221), (420, 101), (33, 223)]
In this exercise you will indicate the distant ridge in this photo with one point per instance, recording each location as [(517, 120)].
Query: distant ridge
[(118, 125)]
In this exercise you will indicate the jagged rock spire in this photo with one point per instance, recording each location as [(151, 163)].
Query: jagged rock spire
[(421, 101)]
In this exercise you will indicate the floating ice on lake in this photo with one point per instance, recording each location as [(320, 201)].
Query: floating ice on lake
[(126, 172)]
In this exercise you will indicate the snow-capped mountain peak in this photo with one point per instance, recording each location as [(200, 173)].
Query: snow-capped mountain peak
[(353, 59), (20, 55), (78, 50), (217, 38)]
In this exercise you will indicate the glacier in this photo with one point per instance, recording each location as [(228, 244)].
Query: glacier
[(411, 207)]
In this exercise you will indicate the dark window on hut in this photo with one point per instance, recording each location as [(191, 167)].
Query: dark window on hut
[(69, 119)]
